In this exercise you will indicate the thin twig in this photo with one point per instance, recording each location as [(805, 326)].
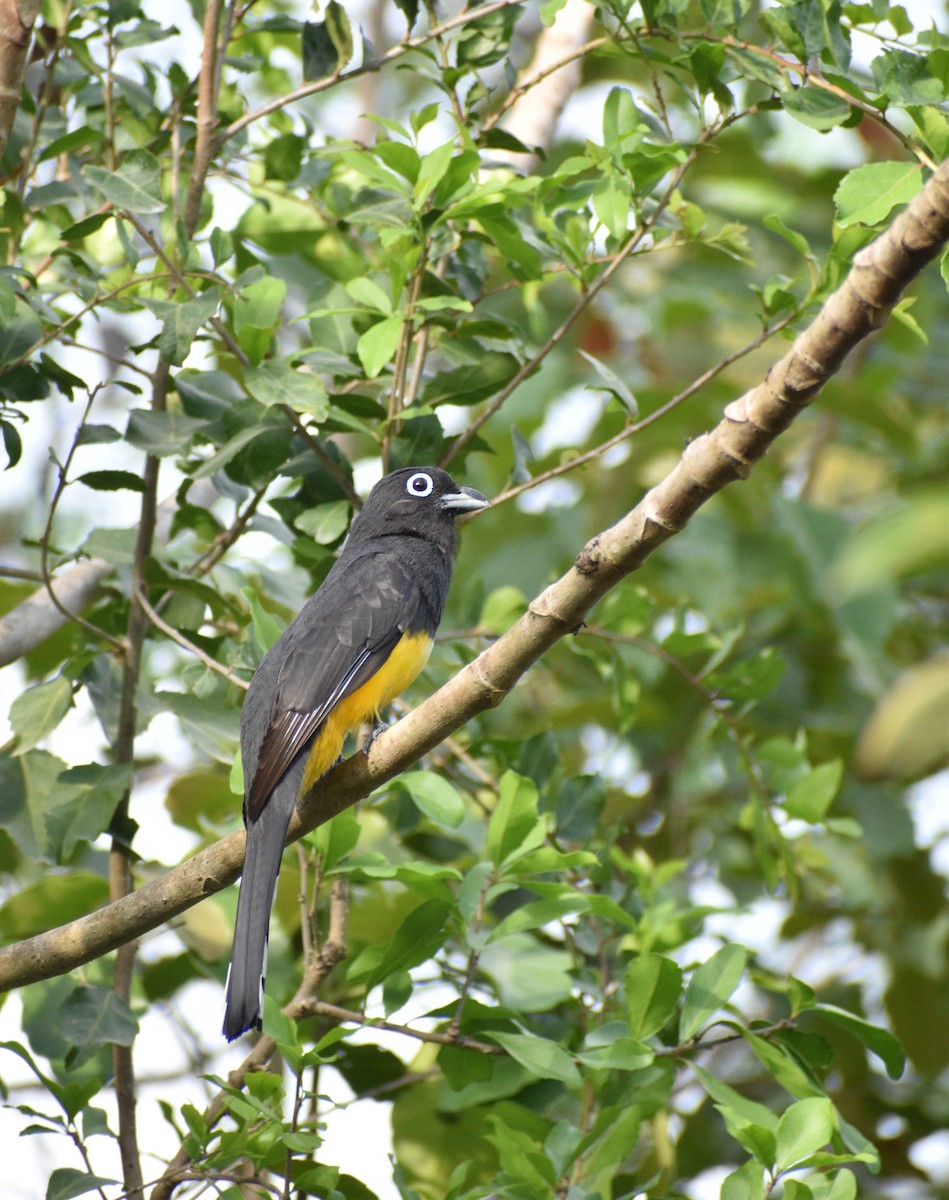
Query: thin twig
[(45, 574), (176, 636), (712, 698), (322, 1008), (635, 427), (224, 540), (331, 465), (578, 309)]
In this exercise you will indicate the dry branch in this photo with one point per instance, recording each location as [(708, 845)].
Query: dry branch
[(879, 275)]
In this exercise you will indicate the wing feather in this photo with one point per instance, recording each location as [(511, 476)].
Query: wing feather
[(339, 640)]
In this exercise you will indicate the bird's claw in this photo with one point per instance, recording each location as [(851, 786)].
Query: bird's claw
[(379, 727)]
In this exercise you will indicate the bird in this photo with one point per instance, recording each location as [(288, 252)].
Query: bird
[(356, 644)]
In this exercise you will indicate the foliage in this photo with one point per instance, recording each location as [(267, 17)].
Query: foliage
[(664, 911)]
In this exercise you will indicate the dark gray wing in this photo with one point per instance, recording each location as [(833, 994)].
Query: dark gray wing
[(338, 641)]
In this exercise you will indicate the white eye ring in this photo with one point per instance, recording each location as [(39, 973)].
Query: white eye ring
[(420, 484)]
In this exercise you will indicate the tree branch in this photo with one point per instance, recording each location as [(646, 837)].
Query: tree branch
[(467, 17), (586, 297), (38, 617), (880, 273), (17, 18)]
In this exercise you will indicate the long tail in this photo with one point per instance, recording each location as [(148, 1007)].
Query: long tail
[(245, 978)]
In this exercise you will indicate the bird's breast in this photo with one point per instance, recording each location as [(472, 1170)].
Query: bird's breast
[(408, 657)]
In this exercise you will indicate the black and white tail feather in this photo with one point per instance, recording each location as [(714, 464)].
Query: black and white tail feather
[(265, 841)]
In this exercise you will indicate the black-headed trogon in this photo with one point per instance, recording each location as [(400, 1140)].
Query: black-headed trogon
[(353, 647)]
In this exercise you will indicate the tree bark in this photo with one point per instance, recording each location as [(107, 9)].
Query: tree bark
[(17, 18)]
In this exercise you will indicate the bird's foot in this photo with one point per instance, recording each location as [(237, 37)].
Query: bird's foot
[(379, 727)]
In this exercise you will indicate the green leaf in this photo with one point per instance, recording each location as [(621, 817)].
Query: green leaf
[(611, 201), (620, 121), (735, 1108), (378, 344), (181, 322), (417, 939), (758, 1140), (868, 194), (814, 107), (810, 797), (901, 543), (747, 1183), (336, 838), (82, 803), (275, 383), (546, 1059), (112, 481), (409, 9), (96, 1016), (214, 726), (880, 1041), (773, 222), (54, 900), (258, 311), (844, 1187), (653, 984), (711, 987), (7, 303), (909, 78), (222, 246), (327, 44), (514, 823), (266, 627), (434, 796), (540, 912), (401, 158), (12, 443), (230, 450), (38, 711), (326, 523), (473, 382), (782, 1066), (432, 170), (338, 27), (803, 1129), (283, 158), (162, 433), (66, 1182), (367, 292), (613, 384), (501, 608), (134, 187), (610, 1047)]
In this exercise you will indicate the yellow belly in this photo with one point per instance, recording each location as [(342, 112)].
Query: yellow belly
[(394, 676)]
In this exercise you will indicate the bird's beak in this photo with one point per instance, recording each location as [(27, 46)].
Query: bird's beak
[(464, 500)]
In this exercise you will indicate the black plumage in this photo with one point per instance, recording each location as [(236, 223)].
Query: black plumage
[(352, 648)]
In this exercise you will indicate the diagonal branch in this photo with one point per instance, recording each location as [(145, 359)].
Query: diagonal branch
[(879, 274)]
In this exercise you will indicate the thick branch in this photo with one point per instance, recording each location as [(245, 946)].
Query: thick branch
[(878, 276), (17, 18), (37, 618)]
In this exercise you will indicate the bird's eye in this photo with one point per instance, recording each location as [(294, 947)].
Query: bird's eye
[(419, 484)]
